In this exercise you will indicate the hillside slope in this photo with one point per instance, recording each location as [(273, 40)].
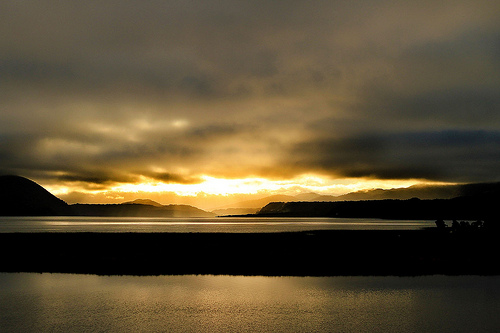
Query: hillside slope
[(20, 196), (23, 197)]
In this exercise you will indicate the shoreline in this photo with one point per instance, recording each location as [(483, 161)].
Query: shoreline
[(305, 253)]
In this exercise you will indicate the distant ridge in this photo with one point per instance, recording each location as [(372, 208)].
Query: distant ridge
[(144, 202), (138, 210), (258, 203), (416, 191), (423, 192), (20, 196)]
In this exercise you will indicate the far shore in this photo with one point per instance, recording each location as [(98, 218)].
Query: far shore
[(314, 253)]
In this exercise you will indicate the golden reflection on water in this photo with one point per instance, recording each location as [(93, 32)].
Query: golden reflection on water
[(66, 303), (226, 224)]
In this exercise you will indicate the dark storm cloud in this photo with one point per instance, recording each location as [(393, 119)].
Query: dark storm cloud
[(102, 178), (162, 46), (167, 177), (107, 91), (442, 155), (453, 83), (96, 178)]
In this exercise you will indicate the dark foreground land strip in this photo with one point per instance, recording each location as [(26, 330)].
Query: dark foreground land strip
[(316, 253)]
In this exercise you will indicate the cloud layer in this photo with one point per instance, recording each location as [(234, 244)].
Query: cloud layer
[(98, 93)]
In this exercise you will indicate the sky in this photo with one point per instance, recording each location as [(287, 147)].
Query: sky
[(109, 100)]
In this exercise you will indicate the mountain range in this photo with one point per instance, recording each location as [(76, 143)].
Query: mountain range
[(423, 192), (20, 196)]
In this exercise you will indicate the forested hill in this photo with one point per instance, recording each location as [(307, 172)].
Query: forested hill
[(469, 208)]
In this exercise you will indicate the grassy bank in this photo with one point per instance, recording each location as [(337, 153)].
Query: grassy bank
[(316, 253)]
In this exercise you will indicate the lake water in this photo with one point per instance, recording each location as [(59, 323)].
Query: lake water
[(31, 302), (225, 224)]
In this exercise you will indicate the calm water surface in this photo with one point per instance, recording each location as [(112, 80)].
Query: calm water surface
[(31, 302), (134, 224)]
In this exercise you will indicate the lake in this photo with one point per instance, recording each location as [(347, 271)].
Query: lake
[(221, 224), (31, 302)]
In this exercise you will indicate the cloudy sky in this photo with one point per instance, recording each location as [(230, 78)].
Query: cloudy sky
[(219, 97)]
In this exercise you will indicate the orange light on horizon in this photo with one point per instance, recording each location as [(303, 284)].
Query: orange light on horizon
[(252, 185)]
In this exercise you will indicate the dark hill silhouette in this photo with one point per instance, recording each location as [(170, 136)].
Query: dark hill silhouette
[(472, 207), (23, 197), (144, 202), (20, 196), (138, 210)]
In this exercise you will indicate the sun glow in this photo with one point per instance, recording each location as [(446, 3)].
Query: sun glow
[(226, 187), (209, 185), (211, 192)]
